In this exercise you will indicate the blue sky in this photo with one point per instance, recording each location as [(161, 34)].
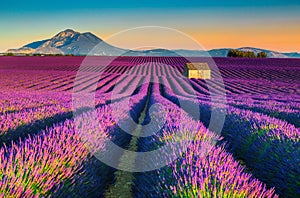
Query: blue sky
[(56, 5), (265, 23)]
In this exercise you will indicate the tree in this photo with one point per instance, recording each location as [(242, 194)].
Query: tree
[(262, 55), (10, 54), (245, 54), (232, 53)]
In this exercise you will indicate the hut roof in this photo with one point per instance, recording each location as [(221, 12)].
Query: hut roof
[(197, 66)]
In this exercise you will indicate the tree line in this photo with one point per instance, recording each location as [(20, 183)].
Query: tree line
[(246, 54)]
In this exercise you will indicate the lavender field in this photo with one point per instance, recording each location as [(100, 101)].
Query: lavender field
[(43, 153)]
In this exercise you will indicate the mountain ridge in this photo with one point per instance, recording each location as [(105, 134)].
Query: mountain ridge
[(76, 43)]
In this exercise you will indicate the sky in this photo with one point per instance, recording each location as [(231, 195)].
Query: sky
[(269, 24)]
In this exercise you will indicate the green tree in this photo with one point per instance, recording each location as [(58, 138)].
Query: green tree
[(242, 54), (10, 54), (262, 55)]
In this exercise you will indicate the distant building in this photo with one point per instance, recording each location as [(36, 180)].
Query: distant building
[(197, 70)]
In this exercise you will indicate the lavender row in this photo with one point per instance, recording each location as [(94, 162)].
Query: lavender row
[(39, 165), (274, 106), (205, 170), (36, 165), (267, 145), (237, 183), (11, 121), (217, 174), (11, 102)]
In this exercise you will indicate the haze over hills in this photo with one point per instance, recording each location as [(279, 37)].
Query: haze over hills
[(76, 43)]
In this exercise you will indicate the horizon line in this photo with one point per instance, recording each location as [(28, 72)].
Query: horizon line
[(154, 48)]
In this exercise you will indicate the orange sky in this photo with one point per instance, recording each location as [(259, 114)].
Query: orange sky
[(273, 37), (276, 37)]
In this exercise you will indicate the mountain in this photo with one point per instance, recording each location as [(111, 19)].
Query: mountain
[(219, 52), (271, 54), (213, 53), (36, 44), (76, 43), (69, 42), (166, 52), (292, 55)]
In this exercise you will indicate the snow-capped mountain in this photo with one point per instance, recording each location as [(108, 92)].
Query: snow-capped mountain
[(76, 43)]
